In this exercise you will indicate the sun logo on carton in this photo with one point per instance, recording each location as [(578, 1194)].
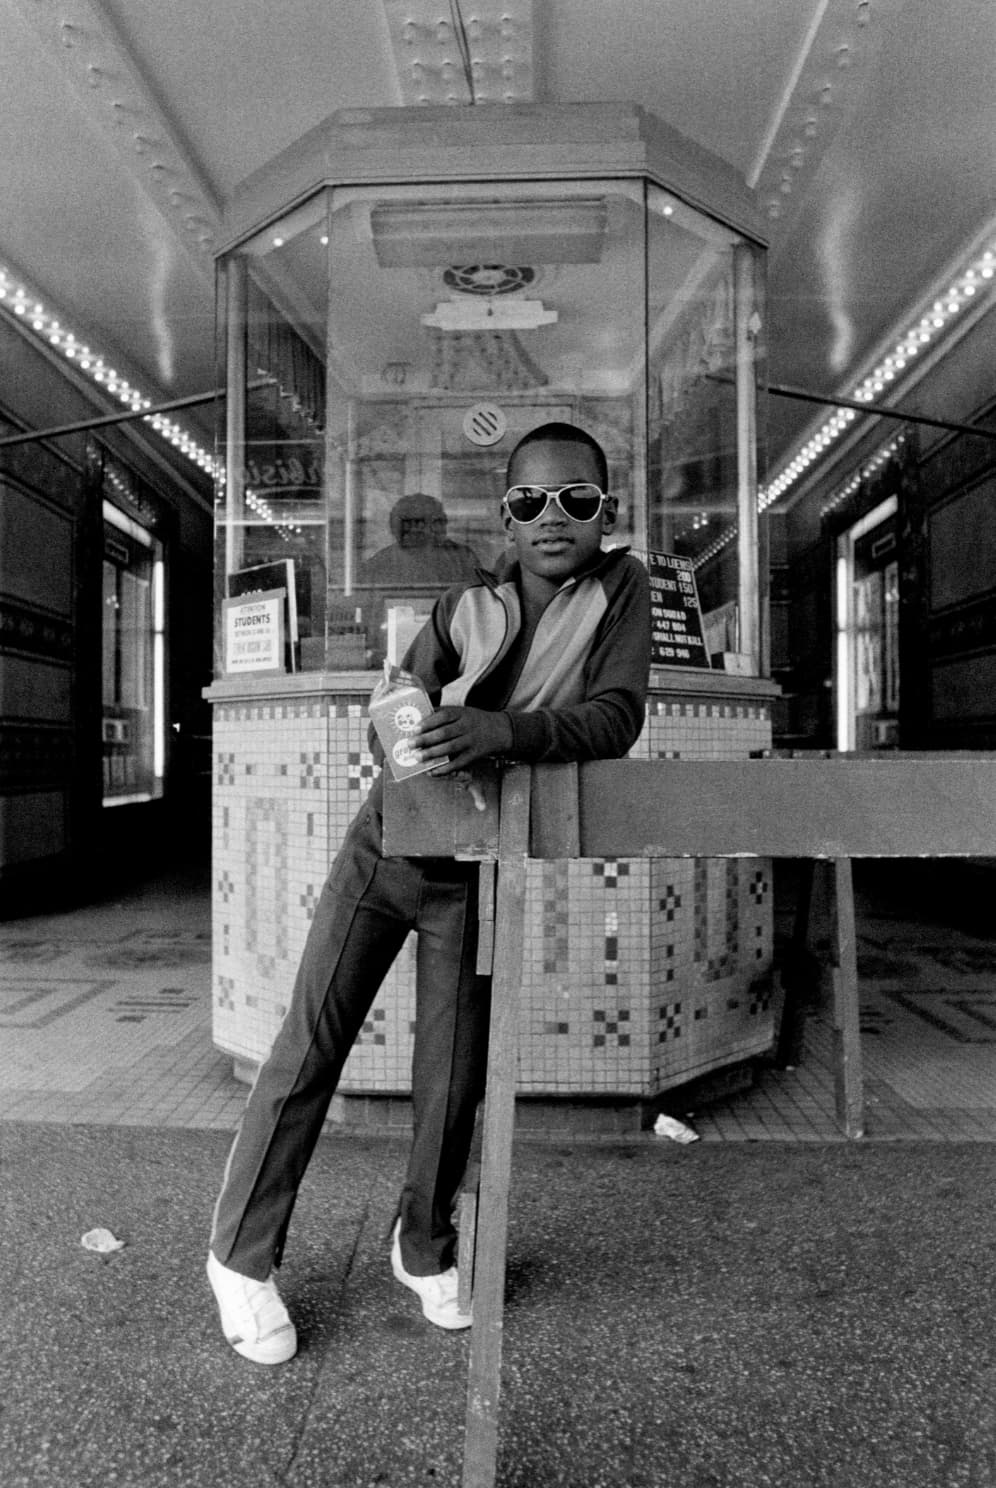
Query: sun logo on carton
[(407, 719)]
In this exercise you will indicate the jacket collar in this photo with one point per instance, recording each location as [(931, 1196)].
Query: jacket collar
[(507, 569)]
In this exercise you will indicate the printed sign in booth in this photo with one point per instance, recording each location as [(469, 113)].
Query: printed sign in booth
[(677, 637), (254, 632)]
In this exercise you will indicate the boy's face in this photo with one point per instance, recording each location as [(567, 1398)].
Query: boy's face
[(555, 546)]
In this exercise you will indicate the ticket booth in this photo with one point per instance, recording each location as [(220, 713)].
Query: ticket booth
[(403, 294)]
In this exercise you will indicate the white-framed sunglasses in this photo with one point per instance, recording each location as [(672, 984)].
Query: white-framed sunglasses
[(581, 501)]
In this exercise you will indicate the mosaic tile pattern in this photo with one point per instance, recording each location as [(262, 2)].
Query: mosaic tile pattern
[(703, 729), (69, 1053), (638, 974)]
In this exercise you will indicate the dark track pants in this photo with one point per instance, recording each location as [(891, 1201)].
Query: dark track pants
[(368, 906)]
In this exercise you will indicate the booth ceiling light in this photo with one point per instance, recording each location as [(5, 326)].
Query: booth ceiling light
[(975, 279), (17, 298), (489, 315), (523, 230)]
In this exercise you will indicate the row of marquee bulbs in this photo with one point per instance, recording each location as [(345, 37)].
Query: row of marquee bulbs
[(919, 335), (967, 285), (25, 304)]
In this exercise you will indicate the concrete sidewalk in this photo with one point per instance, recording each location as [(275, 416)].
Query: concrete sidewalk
[(709, 1316), (769, 1306)]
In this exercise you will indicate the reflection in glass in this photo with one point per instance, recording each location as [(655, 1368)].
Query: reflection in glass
[(691, 390), (392, 345)]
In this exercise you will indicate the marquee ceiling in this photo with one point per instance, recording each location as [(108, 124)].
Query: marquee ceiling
[(866, 127)]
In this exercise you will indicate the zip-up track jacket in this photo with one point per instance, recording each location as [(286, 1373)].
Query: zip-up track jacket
[(580, 691)]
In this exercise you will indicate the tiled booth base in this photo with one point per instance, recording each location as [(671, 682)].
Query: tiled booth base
[(640, 975)]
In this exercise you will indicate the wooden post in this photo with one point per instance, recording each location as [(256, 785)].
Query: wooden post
[(554, 817), (846, 1010), (467, 1235), (469, 1198), (484, 1383), (486, 919), (799, 973)]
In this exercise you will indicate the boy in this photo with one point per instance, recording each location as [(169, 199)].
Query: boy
[(546, 660)]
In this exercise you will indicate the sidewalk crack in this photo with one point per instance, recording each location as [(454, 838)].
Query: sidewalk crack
[(285, 1477)]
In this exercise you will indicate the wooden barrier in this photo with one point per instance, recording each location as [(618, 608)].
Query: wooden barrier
[(829, 808)]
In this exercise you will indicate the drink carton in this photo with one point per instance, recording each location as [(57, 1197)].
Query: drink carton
[(398, 704)]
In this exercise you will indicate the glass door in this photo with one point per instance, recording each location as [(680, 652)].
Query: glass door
[(868, 633)]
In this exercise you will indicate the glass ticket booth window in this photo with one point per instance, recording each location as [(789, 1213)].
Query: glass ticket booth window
[(386, 346)]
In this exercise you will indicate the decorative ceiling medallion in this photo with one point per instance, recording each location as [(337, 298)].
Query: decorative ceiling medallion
[(484, 424), (488, 279)]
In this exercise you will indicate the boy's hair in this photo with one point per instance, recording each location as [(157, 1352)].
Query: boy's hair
[(560, 433)]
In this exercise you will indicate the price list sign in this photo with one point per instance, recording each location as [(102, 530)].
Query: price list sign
[(677, 637)]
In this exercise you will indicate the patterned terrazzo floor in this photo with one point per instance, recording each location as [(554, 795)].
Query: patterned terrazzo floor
[(105, 1019)]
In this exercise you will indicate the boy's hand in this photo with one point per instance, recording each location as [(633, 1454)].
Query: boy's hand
[(461, 736)]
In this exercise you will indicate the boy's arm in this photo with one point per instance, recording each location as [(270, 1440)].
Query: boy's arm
[(432, 656)]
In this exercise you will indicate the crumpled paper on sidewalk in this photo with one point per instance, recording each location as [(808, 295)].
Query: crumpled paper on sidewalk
[(667, 1126), (102, 1241)]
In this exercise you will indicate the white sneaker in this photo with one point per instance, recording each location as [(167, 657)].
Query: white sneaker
[(438, 1294), (253, 1318)]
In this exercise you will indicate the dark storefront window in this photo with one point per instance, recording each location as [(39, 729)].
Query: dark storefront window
[(133, 660)]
